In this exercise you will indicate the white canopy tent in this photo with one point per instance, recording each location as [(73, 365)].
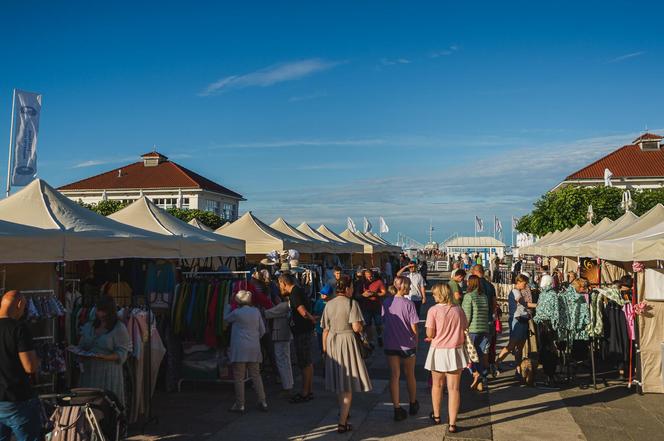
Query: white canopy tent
[(619, 247), (570, 247), (194, 242), (315, 245), (327, 232), (261, 238), (588, 247), (87, 235), (556, 248), (200, 225), (339, 247), (21, 244), (369, 247), (537, 247)]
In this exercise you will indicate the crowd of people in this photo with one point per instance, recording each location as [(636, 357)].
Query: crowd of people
[(351, 316)]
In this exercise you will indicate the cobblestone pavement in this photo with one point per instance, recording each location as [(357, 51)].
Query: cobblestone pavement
[(509, 411)]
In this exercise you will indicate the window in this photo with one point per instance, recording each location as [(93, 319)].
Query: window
[(228, 212), (165, 202), (213, 207), (185, 202)]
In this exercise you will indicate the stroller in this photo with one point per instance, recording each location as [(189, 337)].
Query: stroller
[(84, 415)]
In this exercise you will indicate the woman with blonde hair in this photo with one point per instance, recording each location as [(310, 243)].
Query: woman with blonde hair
[(445, 326), (245, 353), (400, 322)]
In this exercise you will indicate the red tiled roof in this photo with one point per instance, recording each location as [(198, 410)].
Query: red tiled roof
[(165, 175), (647, 137), (153, 155), (627, 161)]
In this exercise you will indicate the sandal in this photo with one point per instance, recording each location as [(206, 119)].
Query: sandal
[(452, 428), (434, 419), (343, 428)]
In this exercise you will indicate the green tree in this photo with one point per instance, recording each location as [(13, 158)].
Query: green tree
[(104, 207), (206, 217)]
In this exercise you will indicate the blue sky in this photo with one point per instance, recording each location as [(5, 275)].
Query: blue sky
[(315, 112)]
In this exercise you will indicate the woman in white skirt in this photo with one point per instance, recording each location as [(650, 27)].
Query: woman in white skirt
[(445, 325)]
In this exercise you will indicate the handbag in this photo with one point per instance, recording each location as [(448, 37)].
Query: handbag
[(366, 348), (470, 349), (522, 314)]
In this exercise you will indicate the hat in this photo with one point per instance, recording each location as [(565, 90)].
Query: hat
[(546, 281), (243, 297), (268, 262), (285, 267), (294, 263)]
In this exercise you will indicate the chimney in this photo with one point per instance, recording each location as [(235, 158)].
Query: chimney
[(119, 173), (153, 159)]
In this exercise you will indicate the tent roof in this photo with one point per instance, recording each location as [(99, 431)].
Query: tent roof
[(327, 232), (369, 247), (259, 237), (555, 249), (538, 247), (23, 244), (341, 245), (588, 248), (619, 246), (649, 248), (198, 224), (570, 247), (395, 248), (315, 245), (88, 235), (143, 213), (474, 242)]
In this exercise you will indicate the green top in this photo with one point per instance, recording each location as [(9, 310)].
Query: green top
[(455, 287), (476, 307)]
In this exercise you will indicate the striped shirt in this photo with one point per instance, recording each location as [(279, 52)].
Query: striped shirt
[(476, 307)]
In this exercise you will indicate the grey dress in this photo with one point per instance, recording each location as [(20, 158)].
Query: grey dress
[(102, 374), (345, 370)]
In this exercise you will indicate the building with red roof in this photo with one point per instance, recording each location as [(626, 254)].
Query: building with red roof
[(637, 165), (165, 182)]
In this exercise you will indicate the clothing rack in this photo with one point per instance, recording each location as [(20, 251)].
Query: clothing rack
[(237, 275), (149, 417), (51, 337)]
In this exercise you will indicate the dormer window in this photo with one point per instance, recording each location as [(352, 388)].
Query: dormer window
[(153, 159), (648, 142)]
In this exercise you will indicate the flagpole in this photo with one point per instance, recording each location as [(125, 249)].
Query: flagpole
[(11, 135)]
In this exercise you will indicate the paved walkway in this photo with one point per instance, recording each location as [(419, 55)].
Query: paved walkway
[(510, 411)]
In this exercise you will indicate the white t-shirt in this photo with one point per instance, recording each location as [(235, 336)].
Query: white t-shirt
[(416, 281)]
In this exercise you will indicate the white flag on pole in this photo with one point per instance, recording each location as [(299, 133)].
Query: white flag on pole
[(498, 225), (351, 225), (515, 222), (367, 225), (383, 226), (28, 107), (479, 225)]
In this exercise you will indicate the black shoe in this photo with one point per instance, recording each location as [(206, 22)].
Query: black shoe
[(414, 408), (400, 414)]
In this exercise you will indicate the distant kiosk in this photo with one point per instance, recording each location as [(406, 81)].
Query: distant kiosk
[(481, 244)]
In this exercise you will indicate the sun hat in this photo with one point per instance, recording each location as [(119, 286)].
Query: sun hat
[(268, 262), (243, 297), (285, 267)]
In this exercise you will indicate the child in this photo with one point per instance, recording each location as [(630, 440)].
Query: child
[(319, 306)]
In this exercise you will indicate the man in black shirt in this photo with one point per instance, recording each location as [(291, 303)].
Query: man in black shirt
[(19, 411), (302, 326)]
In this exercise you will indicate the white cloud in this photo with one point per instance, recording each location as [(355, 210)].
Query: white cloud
[(268, 76), (102, 161), (626, 57), (445, 52), (392, 62)]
